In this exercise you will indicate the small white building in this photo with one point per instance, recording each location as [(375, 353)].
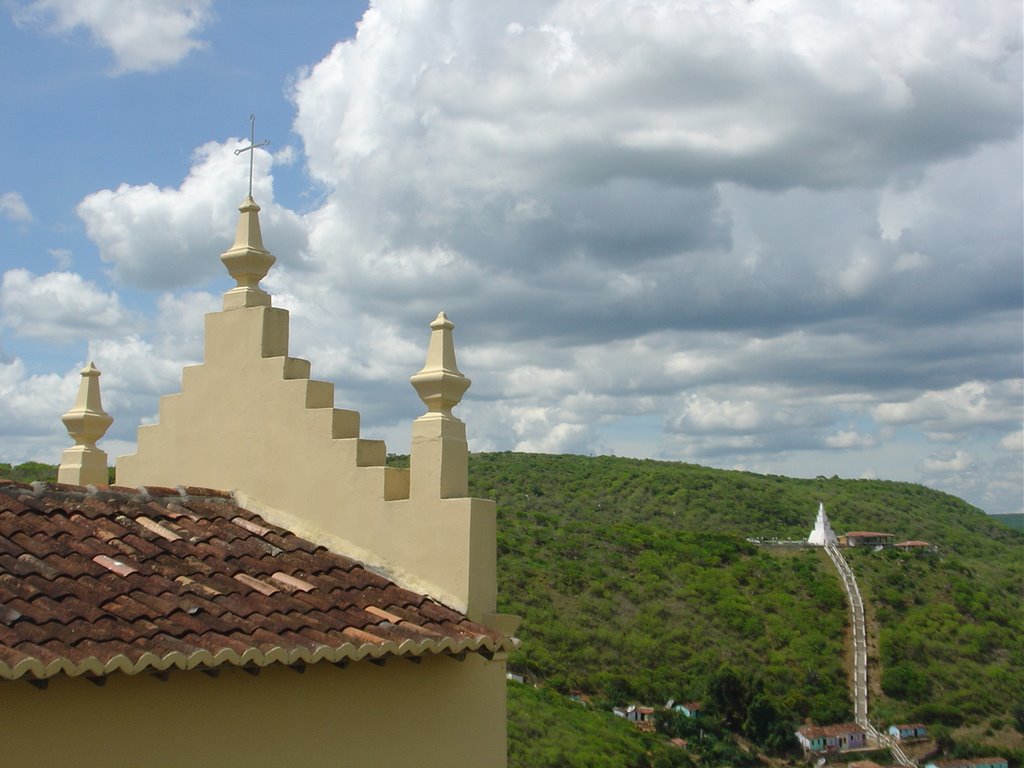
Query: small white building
[(831, 738), (906, 731), (822, 535)]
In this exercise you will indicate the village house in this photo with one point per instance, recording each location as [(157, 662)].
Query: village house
[(641, 716), (259, 588), (831, 738), (914, 546), (866, 539), (906, 731), (690, 709)]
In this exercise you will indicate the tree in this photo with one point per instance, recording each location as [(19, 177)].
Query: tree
[(767, 725), (727, 696)]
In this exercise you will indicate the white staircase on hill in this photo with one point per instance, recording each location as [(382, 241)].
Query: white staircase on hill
[(860, 657)]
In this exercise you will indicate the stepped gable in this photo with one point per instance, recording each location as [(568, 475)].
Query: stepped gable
[(94, 581), (249, 419)]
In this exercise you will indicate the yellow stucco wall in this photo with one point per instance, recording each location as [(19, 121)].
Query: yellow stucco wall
[(250, 420), (440, 712)]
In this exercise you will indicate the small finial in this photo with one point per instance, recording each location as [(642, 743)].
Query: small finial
[(247, 260), (86, 422), (251, 149), (440, 384)]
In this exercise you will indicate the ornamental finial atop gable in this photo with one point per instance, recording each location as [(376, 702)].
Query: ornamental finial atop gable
[(247, 260), (86, 422), (440, 384)]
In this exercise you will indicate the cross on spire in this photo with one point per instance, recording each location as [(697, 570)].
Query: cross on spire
[(253, 146)]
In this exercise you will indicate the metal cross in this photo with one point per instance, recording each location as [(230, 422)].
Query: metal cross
[(253, 146)]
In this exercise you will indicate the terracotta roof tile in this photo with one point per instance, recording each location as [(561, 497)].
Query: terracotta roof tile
[(258, 584), (121, 567), (292, 582), (126, 580)]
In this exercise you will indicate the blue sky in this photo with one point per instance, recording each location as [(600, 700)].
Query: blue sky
[(769, 236)]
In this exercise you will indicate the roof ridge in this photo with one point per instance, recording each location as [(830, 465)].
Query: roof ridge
[(143, 492)]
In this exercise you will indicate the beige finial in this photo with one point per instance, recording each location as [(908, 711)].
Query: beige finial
[(86, 422), (440, 384), (438, 460), (247, 260)]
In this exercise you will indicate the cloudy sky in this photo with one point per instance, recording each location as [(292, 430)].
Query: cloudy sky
[(774, 235)]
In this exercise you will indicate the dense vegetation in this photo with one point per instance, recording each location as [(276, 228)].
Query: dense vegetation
[(29, 472), (949, 629), (546, 729), (637, 583)]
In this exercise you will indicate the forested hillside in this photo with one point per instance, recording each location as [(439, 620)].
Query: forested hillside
[(636, 583)]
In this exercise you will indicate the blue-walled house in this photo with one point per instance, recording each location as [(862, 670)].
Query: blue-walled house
[(905, 731)]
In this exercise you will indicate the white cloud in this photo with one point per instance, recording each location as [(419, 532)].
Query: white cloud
[(169, 238), (63, 257), (970, 405), (959, 461), (59, 307), (810, 95), (285, 156), (848, 438), (13, 208), (30, 407), (143, 36), (180, 323), (1013, 442)]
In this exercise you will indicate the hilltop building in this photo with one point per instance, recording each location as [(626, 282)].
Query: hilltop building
[(822, 534), (253, 536), (867, 539)]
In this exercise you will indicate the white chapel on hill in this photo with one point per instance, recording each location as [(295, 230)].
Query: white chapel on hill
[(822, 535)]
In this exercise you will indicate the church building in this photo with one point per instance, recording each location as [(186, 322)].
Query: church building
[(258, 588)]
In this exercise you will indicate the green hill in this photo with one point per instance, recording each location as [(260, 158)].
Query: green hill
[(636, 583)]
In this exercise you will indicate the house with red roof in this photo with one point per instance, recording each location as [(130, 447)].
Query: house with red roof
[(259, 587)]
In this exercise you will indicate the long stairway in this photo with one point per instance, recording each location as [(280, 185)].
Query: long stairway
[(860, 658)]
